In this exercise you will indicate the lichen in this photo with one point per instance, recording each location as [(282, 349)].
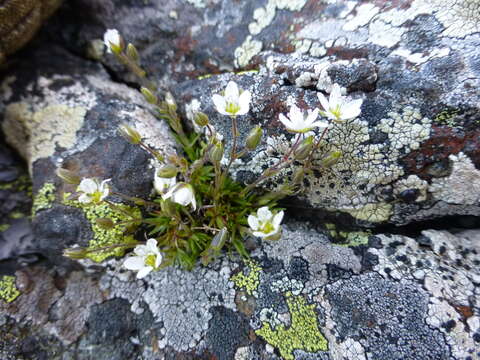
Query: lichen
[(119, 234), (23, 183), (8, 289), (302, 334), (37, 134), (249, 280), (4, 227), (44, 198), (247, 51), (375, 213)]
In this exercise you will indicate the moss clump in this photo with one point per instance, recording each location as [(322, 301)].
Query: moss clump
[(8, 289), (23, 183), (302, 334), (44, 198), (118, 234), (248, 281)]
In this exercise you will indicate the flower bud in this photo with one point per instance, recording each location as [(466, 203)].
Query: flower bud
[(201, 119), (298, 176), (149, 96), (305, 148), (172, 105), (130, 134), (75, 253), (254, 138), (167, 171), (331, 159), (68, 176), (105, 223), (113, 41), (216, 152), (168, 208), (132, 52), (219, 240)]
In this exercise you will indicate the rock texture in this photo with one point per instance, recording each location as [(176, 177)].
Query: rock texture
[(410, 154), (303, 297), (321, 292)]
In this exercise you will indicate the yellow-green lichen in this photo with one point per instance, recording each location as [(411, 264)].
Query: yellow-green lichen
[(347, 238), (17, 215), (4, 227), (23, 183), (447, 117), (118, 234), (44, 198), (302, 334), (8, 289), (375, 213), (249, 280)]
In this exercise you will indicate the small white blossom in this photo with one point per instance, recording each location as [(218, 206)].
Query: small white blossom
[(298, 122), (112, 38), (265, 224), (162, 185), (338, 107), (93, 191), (148, 258), (234, 102), (182, 194)]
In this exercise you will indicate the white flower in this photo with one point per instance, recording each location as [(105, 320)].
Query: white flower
[(234, 102), (338, 107), (93, 191), (162, 185), (298, 122), (182, 194), (265, 224), (147, 258), (112, 38)]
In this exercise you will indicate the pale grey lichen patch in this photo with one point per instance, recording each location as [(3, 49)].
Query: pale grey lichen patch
[(419, 58), (448, 273), (384, 34), (364, 13), (263, 17), (463, 184), (37, 134), (199, 4), (179, 300), (247, 51), (412, 182)]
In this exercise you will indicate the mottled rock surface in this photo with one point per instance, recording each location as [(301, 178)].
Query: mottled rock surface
[(320, 292), (303, 297)]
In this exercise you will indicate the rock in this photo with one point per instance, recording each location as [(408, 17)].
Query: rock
[(67, 115), (20, 20), (390, 296), (414, 65)]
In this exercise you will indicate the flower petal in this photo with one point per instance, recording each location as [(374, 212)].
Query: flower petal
[(320, 124), (88, 186), (258, 234), (141, 250), (264, 214), (335, 96), (244, 102), (253, 222), (158, 260), (352, 109), (220, 103), (134, 263), (285, 121), (231, 92), (152, 245), (323, 101), (312, 116), (144, 272), (277, 219)]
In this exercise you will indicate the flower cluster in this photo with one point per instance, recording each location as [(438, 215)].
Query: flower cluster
[(199, 208)]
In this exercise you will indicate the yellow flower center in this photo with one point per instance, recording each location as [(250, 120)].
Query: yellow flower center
[(232, 108), (96, 197), (336, 112), (267, 228), (150, 260)]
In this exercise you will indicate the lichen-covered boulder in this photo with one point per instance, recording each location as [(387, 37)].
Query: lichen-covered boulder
[(302, 297), (61, 111), (412, 155)]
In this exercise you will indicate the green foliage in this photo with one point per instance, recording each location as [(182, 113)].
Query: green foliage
[(44, 198)]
